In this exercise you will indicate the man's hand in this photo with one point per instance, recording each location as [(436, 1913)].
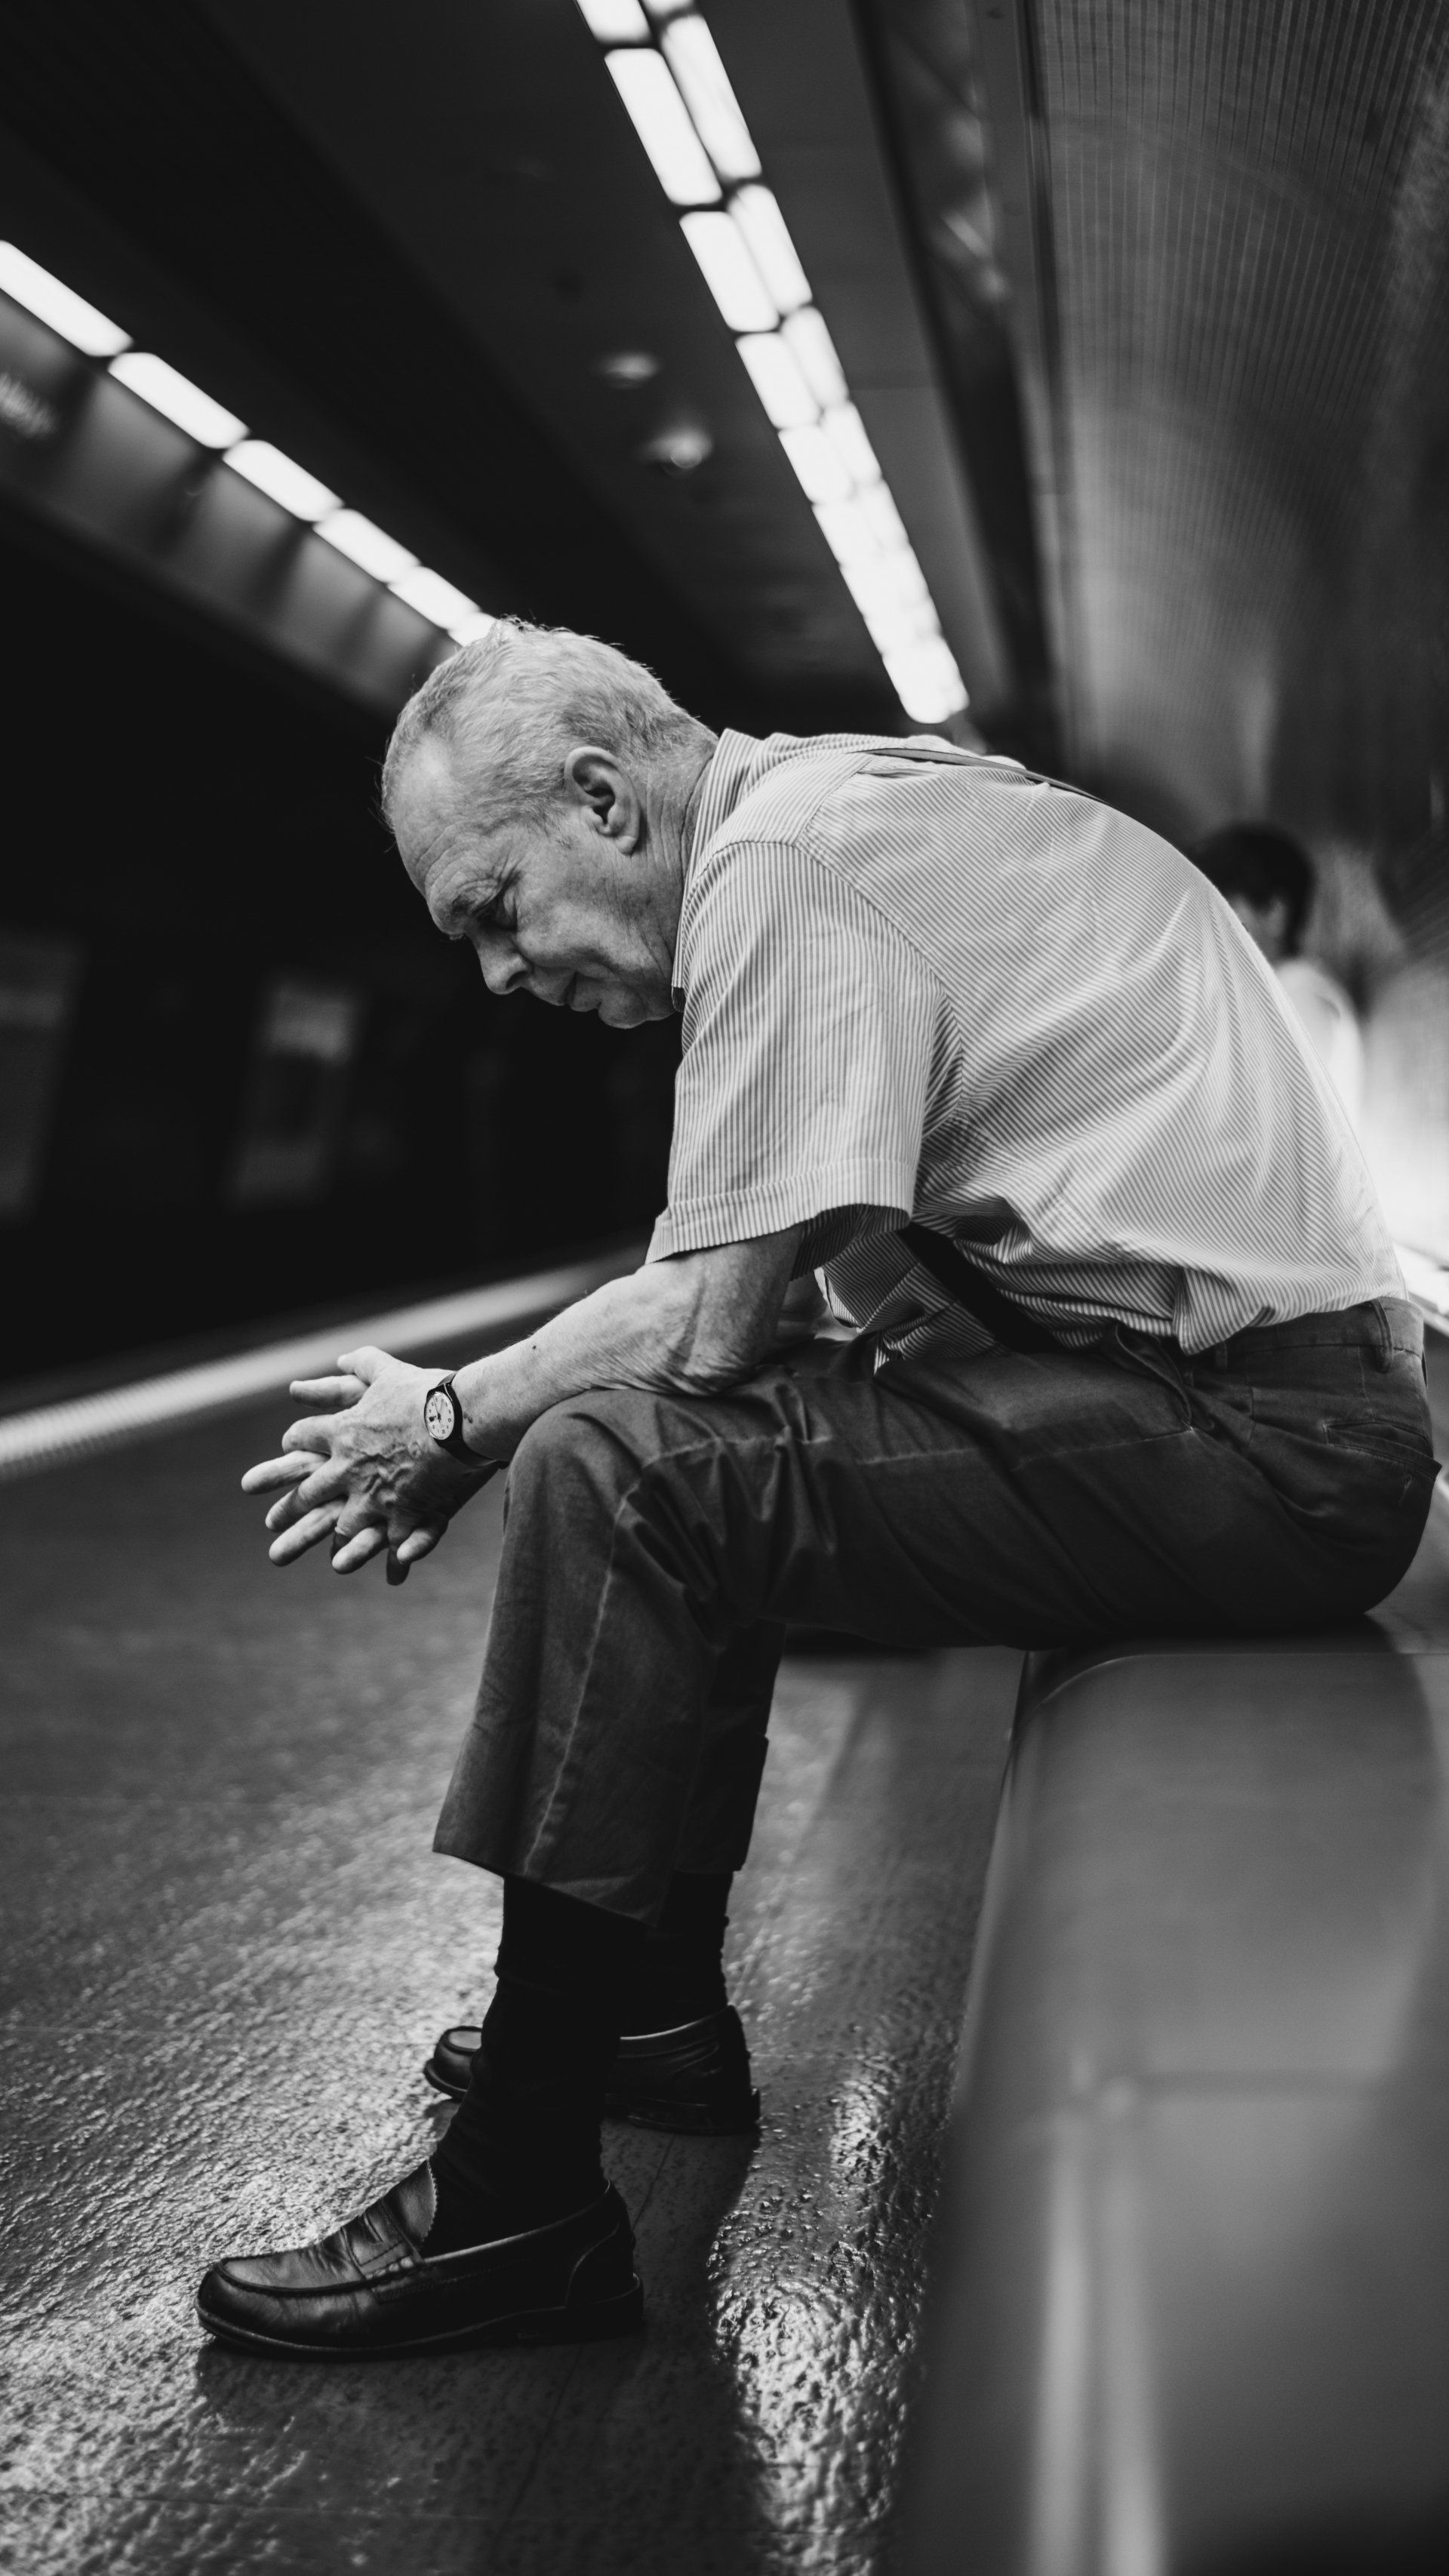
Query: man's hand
[(364, 1473), (365, 1476)]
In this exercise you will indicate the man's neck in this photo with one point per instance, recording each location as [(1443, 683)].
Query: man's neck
[(671, 827), (691, 808), (670, 812)]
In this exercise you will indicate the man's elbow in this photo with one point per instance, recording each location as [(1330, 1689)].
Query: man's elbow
[(718, 1314), (716, 1368), (712, 1355)]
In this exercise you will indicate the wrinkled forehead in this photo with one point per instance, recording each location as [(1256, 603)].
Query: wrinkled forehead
[(444, 847)]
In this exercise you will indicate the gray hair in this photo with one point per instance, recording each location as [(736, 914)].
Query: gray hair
[(519, 698)]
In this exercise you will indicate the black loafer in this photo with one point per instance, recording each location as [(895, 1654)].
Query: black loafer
[(695, 2078), (370, 2289)]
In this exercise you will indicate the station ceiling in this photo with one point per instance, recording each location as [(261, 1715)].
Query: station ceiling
[(1144, 310), (408, 246)]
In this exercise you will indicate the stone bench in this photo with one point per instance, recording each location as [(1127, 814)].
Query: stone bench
[(1190, 2291)]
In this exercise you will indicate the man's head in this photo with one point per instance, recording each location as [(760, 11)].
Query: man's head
[(537, 786), (1267, 879)]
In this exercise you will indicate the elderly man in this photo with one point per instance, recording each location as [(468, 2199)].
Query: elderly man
[(1128, 1350)]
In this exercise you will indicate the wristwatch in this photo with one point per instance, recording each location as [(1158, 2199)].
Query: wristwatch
[(443, 1421)]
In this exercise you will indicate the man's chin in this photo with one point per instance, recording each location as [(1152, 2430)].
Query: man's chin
[(622, 1010)]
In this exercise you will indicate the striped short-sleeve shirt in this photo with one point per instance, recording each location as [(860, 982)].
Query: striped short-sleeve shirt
[(917, 982)]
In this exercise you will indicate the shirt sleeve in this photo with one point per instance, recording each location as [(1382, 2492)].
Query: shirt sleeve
[(808, 1030)]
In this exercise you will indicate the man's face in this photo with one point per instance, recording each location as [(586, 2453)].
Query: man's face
[(566, 906)]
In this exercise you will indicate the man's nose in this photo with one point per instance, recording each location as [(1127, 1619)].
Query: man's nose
[(502, 967)]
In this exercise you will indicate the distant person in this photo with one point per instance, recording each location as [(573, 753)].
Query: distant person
[(1131, 1354), (1268, 880)]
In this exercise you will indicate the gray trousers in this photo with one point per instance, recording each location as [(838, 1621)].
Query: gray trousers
[(655, 1547)]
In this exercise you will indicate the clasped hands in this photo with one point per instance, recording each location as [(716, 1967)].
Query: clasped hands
[(361, 1472)]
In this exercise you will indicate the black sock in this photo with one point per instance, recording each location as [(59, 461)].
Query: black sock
[(678, 1972), (523, 2145)]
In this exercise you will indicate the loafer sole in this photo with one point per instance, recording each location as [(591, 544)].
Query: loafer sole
[(597, 2322)]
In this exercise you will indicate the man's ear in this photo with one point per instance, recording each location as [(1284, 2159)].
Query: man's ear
[(600, 782)]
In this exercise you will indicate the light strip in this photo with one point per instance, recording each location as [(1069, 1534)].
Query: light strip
[(54, 1435), (27, 283), (369, 546), (664, 126), (813, 350), (765, 229), (678, 93), (281, 480), (729, 271), (436, 599), (779, 380), (616, 22), (693, 57), (212, 425), (178, 399)]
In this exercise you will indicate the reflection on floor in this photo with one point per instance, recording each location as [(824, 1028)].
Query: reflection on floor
[(226, 1948)]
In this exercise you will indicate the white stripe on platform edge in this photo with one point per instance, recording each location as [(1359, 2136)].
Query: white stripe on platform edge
[(54, 1434)]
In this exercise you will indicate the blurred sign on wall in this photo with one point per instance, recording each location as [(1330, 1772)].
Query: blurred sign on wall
[(39, 978), (303, 1051)]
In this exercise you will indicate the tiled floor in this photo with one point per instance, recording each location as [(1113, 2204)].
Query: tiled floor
[(227, 1946)]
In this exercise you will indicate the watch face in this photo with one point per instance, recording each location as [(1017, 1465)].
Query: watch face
[(438, 1413)]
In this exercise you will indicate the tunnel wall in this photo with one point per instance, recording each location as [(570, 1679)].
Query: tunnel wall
[(244, 1075)]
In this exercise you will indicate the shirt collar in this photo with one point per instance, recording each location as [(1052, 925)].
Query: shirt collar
[(722, 784)]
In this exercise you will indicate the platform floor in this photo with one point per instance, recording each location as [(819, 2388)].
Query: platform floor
[(227, 1946)]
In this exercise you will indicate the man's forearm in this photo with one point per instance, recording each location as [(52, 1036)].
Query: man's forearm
[(695, 1325)]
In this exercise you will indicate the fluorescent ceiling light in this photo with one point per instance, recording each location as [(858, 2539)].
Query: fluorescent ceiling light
[(276, 475), (678, 95), (433, 597), (896, 630), (616, 22), (366, 545), (878, 508), (208, 422), (729, 272), (27, 283), (926, 680), (846, 433), (775, 255), (661, 121), (847, 531), (468, 629), (822, 476), (693, 57), (889, 589), (777, 380), (814, 351)]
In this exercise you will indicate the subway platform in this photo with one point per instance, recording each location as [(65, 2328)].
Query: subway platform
[(228, 1946)]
